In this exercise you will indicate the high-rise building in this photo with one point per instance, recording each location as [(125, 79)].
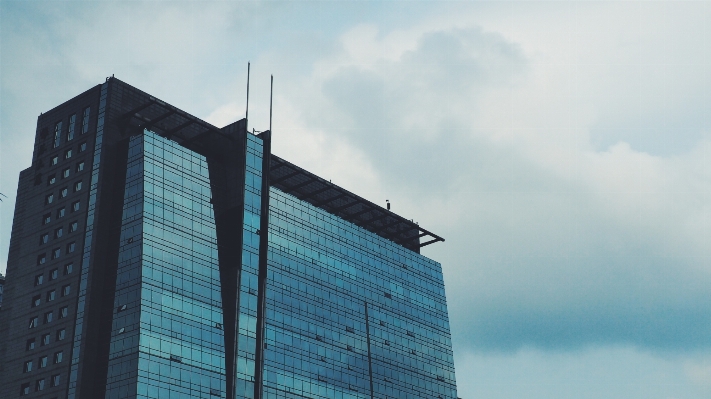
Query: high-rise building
[(154, 255)]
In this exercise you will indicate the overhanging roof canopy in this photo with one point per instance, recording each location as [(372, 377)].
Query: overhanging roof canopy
[(321, 193), (206, 139), (174, 124)]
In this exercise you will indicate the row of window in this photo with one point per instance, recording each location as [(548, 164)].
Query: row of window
[(56, 253), (48, 317), (54, 274), (49, 198), (40, 385), (54, 160), (60, 335), (69, 136), (61, 212), (58, 232), (51, 295), (68, 153), (51, 179), (43, 362)]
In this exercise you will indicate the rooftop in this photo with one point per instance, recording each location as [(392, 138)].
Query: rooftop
[(200, 136)]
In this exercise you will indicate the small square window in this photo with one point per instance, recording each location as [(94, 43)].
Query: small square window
[(45, 340), (58, 232), (39, 279), (39, 385), (42, 259), (61, 334), (42, 362), (66, 289), (79, 167), (58, 357), (61, 212), (56, 252), (68, 154), (76, 206), (53, 274), (36, 300), (33, 322), (65, 173), (25, 389), (51, 295), (46, 218), (27, 367), (68, 268), (44, 238), (48, 317), (30, 344), (71, 247), (63, 192), (63, 312), (82, 147), (53, 161), (77, 186), (55, 380), (73, 226), (49, 199), (51, 179)]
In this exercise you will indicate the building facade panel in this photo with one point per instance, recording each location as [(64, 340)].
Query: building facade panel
[(45, 251), (167, 333), (351, 314)]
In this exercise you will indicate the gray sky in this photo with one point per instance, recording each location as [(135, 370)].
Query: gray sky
[(563, 149)]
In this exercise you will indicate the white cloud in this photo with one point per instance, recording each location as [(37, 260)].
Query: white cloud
[(491, 143), (562, 149)]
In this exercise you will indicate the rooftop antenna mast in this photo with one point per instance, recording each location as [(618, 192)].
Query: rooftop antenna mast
[(246, 113), (271, 94)]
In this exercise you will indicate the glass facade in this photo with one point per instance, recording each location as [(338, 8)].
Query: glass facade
[(167, 338), (248, 288), (349, 313), (88, 238)]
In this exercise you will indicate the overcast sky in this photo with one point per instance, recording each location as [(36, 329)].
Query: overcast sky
[(563, 149)]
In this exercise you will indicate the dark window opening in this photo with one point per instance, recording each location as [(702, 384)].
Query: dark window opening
[(85, 120), (57, 134), (72, 123)]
